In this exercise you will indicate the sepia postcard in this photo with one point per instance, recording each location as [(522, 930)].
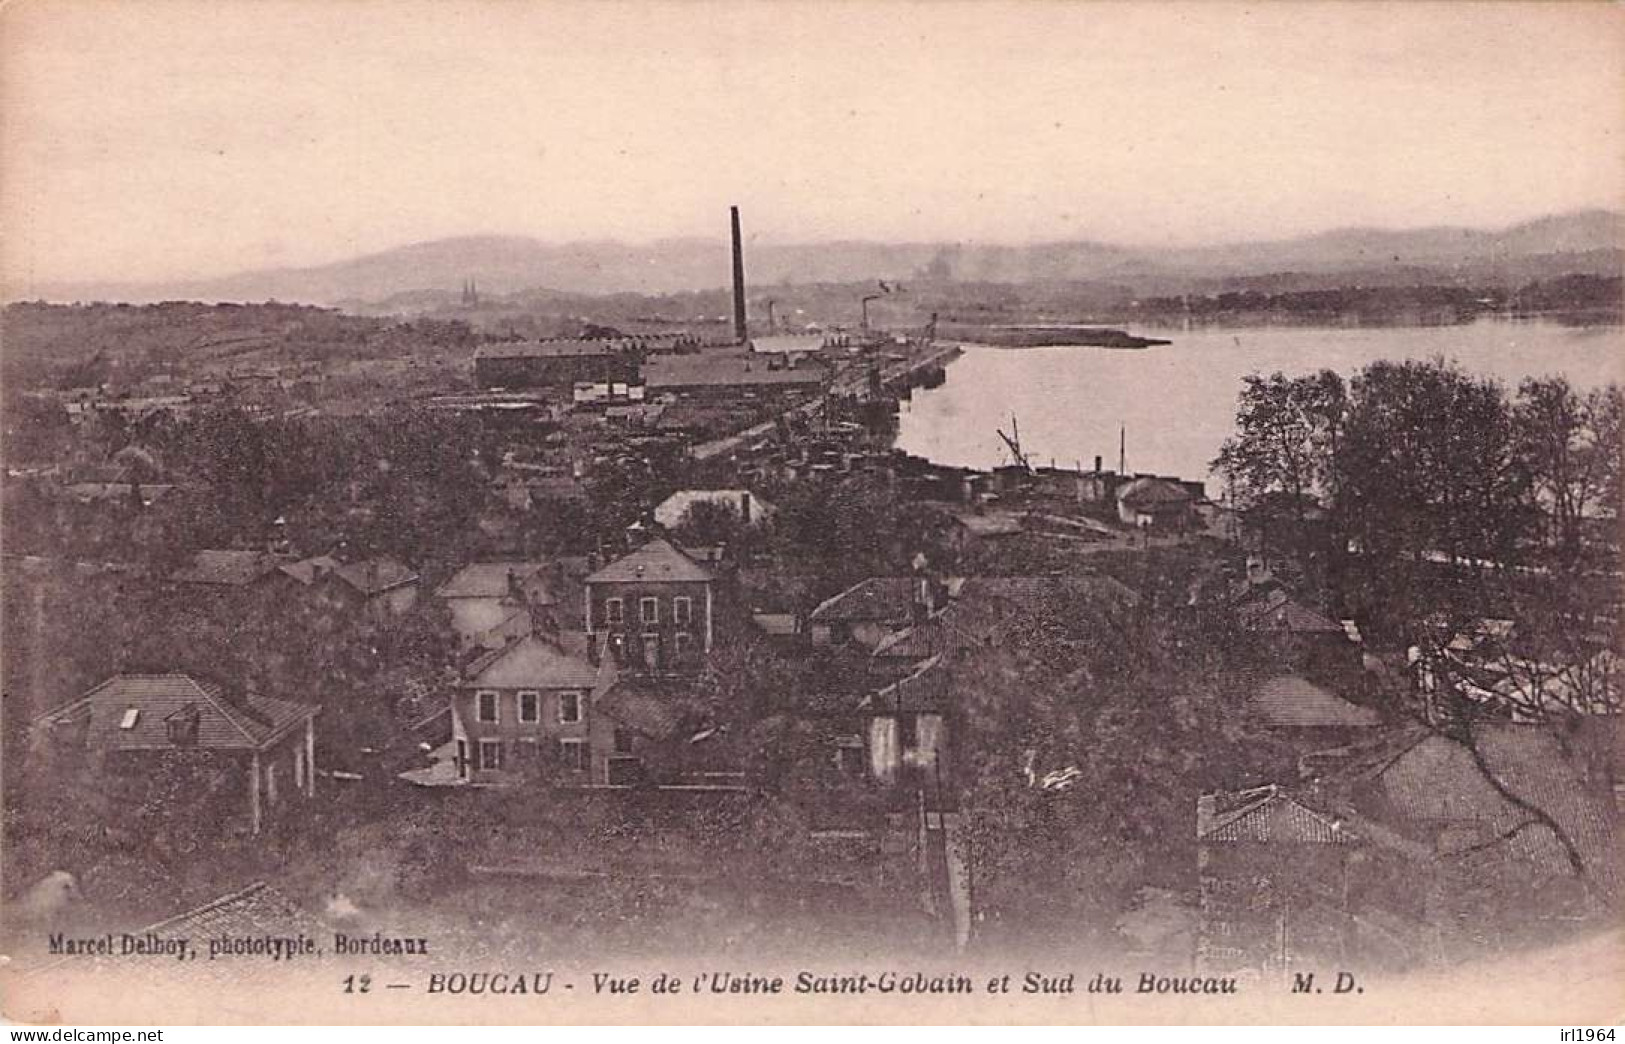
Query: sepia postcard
[(807, 512)]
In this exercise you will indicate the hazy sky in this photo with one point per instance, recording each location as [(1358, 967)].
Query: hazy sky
[(145, 139)]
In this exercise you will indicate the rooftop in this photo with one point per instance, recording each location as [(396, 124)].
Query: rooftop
[(1290, 701), (225, 568), (725, 369), (132, 711), (985, 608), (639, 708), (548, 349), (1427, 786), (885, 598), (308, 570), (794, 342), (1266, 815), (1153, 492), (376, 575), (991, 524), (657, 560), (535, 663), (1277, 611), (670, 511), (488, 579)]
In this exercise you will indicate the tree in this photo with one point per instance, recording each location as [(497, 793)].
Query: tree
[(1288, 433), (1442, 489), (708, 523), (1111, 698), (846, 530), (1428, 483), (1571, 444)]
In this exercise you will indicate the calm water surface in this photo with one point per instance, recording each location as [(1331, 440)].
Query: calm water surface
[(1178, 401)]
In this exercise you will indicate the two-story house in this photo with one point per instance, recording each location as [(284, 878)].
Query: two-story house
[(527, 710), (651, 610)]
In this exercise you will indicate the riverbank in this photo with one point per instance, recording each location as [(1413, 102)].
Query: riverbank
[(1175, 406), (1047, 336)]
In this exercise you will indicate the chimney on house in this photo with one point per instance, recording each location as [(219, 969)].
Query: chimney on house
[(1097, 463), (740, 333)]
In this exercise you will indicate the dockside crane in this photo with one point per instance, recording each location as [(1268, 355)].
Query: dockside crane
[(1013, 442)]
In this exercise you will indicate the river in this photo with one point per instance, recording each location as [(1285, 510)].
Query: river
[(1178, 401)]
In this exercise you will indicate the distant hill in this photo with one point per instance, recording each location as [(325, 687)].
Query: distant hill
[(1587, 242)]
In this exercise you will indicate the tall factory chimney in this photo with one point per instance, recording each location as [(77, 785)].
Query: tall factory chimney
[(739, 279)]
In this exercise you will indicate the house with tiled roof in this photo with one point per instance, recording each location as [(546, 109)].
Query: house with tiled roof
[(1296, 634), (970, 528), (1507, 829), (651, 611), (1278, 612), (633, 723), (1517, 785), (980, 609), (527, 710), (129, 723), (491, 602), (1273, 874), (1155, 503), (380, 587), (869, 610)]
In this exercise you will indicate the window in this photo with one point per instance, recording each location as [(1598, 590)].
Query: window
[(682, 610), (649, 610), (623, 741), (651, 650), (617, 648), (490, 755), (462, 758), (573, 754), (131, 716), (487, 711), (569, 708), (530, 707), (613, 614), (849, 755), (685, 645)]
